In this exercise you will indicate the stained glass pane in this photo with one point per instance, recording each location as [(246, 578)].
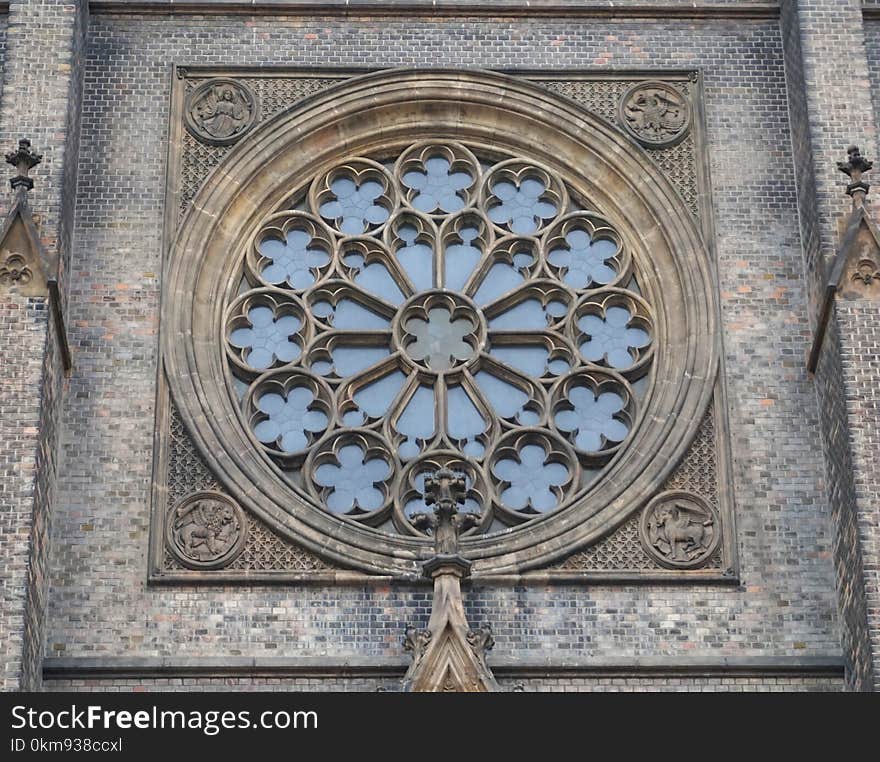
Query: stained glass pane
[(461, 259), (350, 359), (611, 339), (521, 209), (528, 315), (439, 340), (592, 419), (437, 186), (292, 261), (531, 359), (375, 278), (289, 420), (586, 261), (416, 258), (350, 314), (374, 399), (500, 279), (530, 480), (507, 399), (355, 205), (416, 422), (352, 480), (464, 421), (268, 339)]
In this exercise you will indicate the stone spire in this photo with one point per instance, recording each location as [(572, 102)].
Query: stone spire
[(448, 655)]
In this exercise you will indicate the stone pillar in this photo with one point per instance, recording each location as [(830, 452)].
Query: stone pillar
[(41, 95), (830, 108)]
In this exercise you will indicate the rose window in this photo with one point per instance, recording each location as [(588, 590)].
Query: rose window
[(439, 307)]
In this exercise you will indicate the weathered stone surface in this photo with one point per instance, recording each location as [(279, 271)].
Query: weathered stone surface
[(777, 105)]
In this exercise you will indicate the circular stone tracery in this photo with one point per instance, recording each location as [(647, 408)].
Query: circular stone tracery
[(488, 330), (595, 183)]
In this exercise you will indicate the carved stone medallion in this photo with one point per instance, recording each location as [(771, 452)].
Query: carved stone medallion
[(861, 275), (866, 272), (220, 111), (14, 271), (655, 114), (207, 530), (681, 530)]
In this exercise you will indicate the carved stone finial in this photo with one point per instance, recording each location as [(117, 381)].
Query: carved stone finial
[(445, 490), (24, 160), (448, 655), (445, 486), (855, 166)]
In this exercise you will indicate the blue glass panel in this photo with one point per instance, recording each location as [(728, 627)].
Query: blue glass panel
[(416, 422), (531, 359), (289, 420), (355, 205), (530, 480), (508, 400), (350, 314), (461, 259), (439, 340), (500, 279), (416, 258), (353, 480), (464, 421), (585, 259), (267, 339), (528, 315), (373, 400), (292, 261), (521, 208), (351, 359), (437, 186), (611, 339), (375, 278), (592, 420)]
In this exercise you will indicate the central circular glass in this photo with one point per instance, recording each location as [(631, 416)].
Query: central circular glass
[(439, 331), (438, 309)]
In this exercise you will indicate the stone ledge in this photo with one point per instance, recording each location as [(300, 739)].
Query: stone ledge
[(71, 668), (507, 8)]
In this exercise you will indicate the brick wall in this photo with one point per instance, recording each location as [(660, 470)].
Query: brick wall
[(831, 110), (100, 604), (43, 45), (805, 451), (860, 351)]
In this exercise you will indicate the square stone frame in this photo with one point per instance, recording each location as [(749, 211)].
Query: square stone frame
[(727, 573)]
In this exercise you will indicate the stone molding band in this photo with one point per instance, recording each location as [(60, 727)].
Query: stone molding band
[(82, 668), (449, 8)]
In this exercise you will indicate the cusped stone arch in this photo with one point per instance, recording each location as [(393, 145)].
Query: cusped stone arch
[(380, 115)]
